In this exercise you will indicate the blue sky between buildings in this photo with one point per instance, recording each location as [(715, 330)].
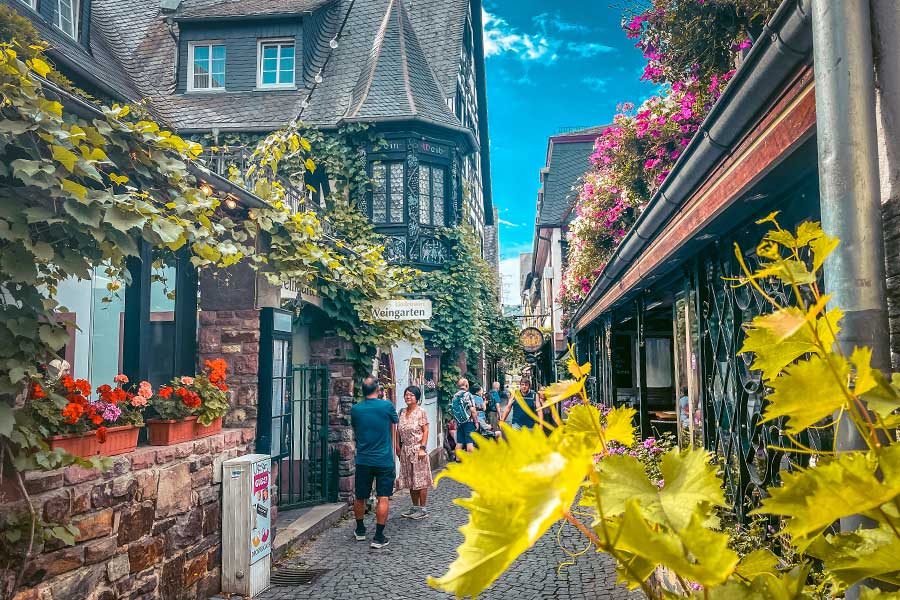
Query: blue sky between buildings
[(550, 65)]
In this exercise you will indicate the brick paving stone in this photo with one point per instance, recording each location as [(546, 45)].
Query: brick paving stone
[(426, 547)]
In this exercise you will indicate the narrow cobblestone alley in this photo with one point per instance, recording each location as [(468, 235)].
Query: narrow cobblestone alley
[(422, 548)]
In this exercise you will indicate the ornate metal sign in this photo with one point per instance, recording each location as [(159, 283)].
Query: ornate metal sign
[(531, 339)]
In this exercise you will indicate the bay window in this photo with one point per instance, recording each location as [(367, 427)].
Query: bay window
[(388, 206), (431, 195)]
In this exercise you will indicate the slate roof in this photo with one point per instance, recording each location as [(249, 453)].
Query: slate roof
[(211, 9), (99, 61), (568, 159), (397, 82)]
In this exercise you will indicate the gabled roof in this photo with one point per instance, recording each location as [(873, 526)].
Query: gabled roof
[(397, 81), (568, 159)]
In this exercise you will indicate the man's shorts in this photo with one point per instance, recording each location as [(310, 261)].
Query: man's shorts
[(382, 476), (464, 433)]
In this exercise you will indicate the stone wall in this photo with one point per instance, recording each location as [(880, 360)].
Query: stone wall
[(335, 352), (234, 336), (150, 527), (891, 216)]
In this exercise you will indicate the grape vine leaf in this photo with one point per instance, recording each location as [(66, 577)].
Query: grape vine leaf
[(584, 419), (807, 497), (863, 554), (520, 487), (790, 395)]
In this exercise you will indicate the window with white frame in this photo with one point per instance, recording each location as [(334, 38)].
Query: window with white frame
[(206, 68), (431, 195), (66, 16), (32, 4), (275, 63)]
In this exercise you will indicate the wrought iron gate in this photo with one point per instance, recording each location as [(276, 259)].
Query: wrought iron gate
[(733, 394), (306, 469)]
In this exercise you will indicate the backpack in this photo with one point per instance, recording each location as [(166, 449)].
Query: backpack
[(459, 408)]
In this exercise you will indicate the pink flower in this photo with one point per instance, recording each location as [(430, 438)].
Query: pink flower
[(145, 390), (139, 401), (120, 378), (187, 380)]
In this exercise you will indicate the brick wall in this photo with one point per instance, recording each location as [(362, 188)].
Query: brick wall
[(149, 527), (234, 336)]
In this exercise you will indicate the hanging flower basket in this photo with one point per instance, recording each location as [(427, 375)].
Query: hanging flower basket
[(202, 431), (119, 440), (85, 445), (165, 432)]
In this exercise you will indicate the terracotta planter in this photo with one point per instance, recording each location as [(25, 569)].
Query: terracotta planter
[(78, 445), (119, 440), (165, 432), (201, 431)]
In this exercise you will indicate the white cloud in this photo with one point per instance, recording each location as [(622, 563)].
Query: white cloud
[(589, 49), (597, 84), (509, 223), (502, 38), (545, 45)]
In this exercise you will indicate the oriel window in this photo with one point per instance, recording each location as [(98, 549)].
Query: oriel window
[(388, 206), (431, 195)]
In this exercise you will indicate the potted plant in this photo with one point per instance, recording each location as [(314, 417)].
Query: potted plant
[(78, 425), (189, 407)]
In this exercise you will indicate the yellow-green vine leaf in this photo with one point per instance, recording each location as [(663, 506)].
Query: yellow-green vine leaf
[(757, 563), (790, 585), (64, 156), (74, 188), (790, 395), (864, 554), (872, 386), (690, 487), (584, 419), (520, 488), (559, 391), (870, 594), (694, 552), (821, 248), (808, 499)]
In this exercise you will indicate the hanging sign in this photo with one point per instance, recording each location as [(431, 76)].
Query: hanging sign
[(531, 339), (260, 511), (401, 310)]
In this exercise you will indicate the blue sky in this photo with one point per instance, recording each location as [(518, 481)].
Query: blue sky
[(549, 65)]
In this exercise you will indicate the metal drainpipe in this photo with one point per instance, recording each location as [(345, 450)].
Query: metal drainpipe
[(848, 176)]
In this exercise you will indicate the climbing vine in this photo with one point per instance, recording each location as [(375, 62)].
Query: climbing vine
[(670, 516)]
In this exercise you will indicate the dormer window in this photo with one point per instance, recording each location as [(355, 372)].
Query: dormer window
[(275, 63), (206, 68), (67, 17)]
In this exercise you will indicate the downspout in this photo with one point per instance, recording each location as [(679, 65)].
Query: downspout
[(850, 195)]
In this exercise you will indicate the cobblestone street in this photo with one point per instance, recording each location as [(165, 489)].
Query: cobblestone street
[(422, 548)]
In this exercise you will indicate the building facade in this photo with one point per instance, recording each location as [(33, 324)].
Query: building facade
[(568, 157), (661, 325)]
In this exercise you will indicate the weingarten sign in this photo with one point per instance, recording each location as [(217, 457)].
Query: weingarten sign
[(401, 310)]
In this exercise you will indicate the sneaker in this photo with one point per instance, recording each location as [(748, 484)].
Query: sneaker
[(410, 512), (360, 534), (379, 542), (421, 513)]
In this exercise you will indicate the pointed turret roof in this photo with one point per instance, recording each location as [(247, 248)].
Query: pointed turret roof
[(397, 82)]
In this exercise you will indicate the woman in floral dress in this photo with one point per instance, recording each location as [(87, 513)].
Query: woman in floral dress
[(415, 468)]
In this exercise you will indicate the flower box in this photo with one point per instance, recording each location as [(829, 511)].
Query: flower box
[(119, 440), (202, 431), (85, 445), (165, 432)]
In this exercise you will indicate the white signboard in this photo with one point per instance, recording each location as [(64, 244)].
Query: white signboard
[(401, 310), (260, 511)]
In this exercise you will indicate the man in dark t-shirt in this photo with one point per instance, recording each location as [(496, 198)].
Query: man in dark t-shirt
[(375, 426)]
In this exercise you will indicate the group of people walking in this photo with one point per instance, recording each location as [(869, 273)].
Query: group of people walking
[(383, 434)]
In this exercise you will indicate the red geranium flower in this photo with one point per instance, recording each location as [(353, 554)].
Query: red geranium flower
[(68, 382), (72, 412), (101, 435), (83, 386), (37, 391), (117, 395), (165, 392)]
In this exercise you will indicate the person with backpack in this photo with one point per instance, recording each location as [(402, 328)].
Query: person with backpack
[(462, 407)]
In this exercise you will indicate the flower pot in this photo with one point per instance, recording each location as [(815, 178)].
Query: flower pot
[(165, 432), (78, 445), (119, 440), (201, 431)]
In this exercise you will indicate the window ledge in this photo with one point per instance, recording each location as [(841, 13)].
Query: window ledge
[(275, 88), (210, 91)]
